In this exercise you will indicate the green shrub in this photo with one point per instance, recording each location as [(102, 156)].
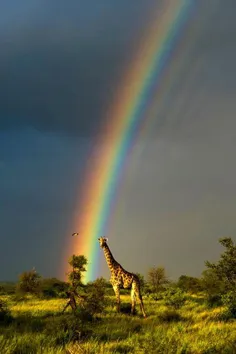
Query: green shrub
[(95, 300), (191, 284), (213, 300), (49, 293), (156, 297), (229, 301), (53, 288), (225, 268), (83, 314), (174, 297), (29, 283)]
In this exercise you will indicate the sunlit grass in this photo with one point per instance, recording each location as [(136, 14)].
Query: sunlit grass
[(40, 327), (38, 307)]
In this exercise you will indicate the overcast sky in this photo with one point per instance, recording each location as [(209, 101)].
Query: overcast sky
[(60, 64)]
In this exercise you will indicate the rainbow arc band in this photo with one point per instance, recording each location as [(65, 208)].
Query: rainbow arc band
[(136, 93)]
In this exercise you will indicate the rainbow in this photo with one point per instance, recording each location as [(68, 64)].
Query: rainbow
[(136, 95)]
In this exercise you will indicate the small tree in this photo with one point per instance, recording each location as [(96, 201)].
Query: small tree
[(29, 282), (210, 282), (225, 268), (221, 278), (78, 264), (157, 279), (212, 286)]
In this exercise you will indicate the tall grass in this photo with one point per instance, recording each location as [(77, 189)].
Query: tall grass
[(39, 327)]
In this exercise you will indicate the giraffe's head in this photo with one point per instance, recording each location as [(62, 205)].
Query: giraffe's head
[(102, 241)]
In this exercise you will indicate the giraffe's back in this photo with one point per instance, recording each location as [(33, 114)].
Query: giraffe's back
[(122, 277)]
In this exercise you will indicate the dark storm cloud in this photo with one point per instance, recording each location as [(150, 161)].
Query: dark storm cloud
[(60, 65), (60, 61)]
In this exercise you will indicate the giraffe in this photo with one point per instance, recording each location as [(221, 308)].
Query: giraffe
[(120, 278)]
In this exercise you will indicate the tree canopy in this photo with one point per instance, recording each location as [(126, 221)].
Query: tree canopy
[(225, 268)]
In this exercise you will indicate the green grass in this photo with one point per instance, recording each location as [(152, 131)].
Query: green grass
[(39, 327)]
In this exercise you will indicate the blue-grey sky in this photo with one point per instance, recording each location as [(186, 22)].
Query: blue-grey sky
[(60, 63)]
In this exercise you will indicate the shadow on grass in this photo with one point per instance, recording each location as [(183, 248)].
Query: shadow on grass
[(171, 315), (48, 324), (125, 308), (223, 316), (117, 330), (26, 334), (60, 329)]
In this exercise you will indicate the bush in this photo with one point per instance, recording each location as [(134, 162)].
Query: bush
[(225, 268), (155, 297), (174, 297), (191, 284), (29, 282), (49, 293), (229, 301), (213, 300), (95, 300), (213, 288), (53, 288)]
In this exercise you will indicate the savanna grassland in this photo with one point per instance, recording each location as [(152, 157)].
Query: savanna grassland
[(37, 326), (191, 315)]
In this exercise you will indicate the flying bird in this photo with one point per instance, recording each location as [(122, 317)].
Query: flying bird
[(75, 234)]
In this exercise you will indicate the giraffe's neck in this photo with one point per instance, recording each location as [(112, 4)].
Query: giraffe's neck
[(111, 262)]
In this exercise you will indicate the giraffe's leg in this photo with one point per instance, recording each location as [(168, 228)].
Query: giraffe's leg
[(116, 289), (141, 304), (138, 292), (133, 298)]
